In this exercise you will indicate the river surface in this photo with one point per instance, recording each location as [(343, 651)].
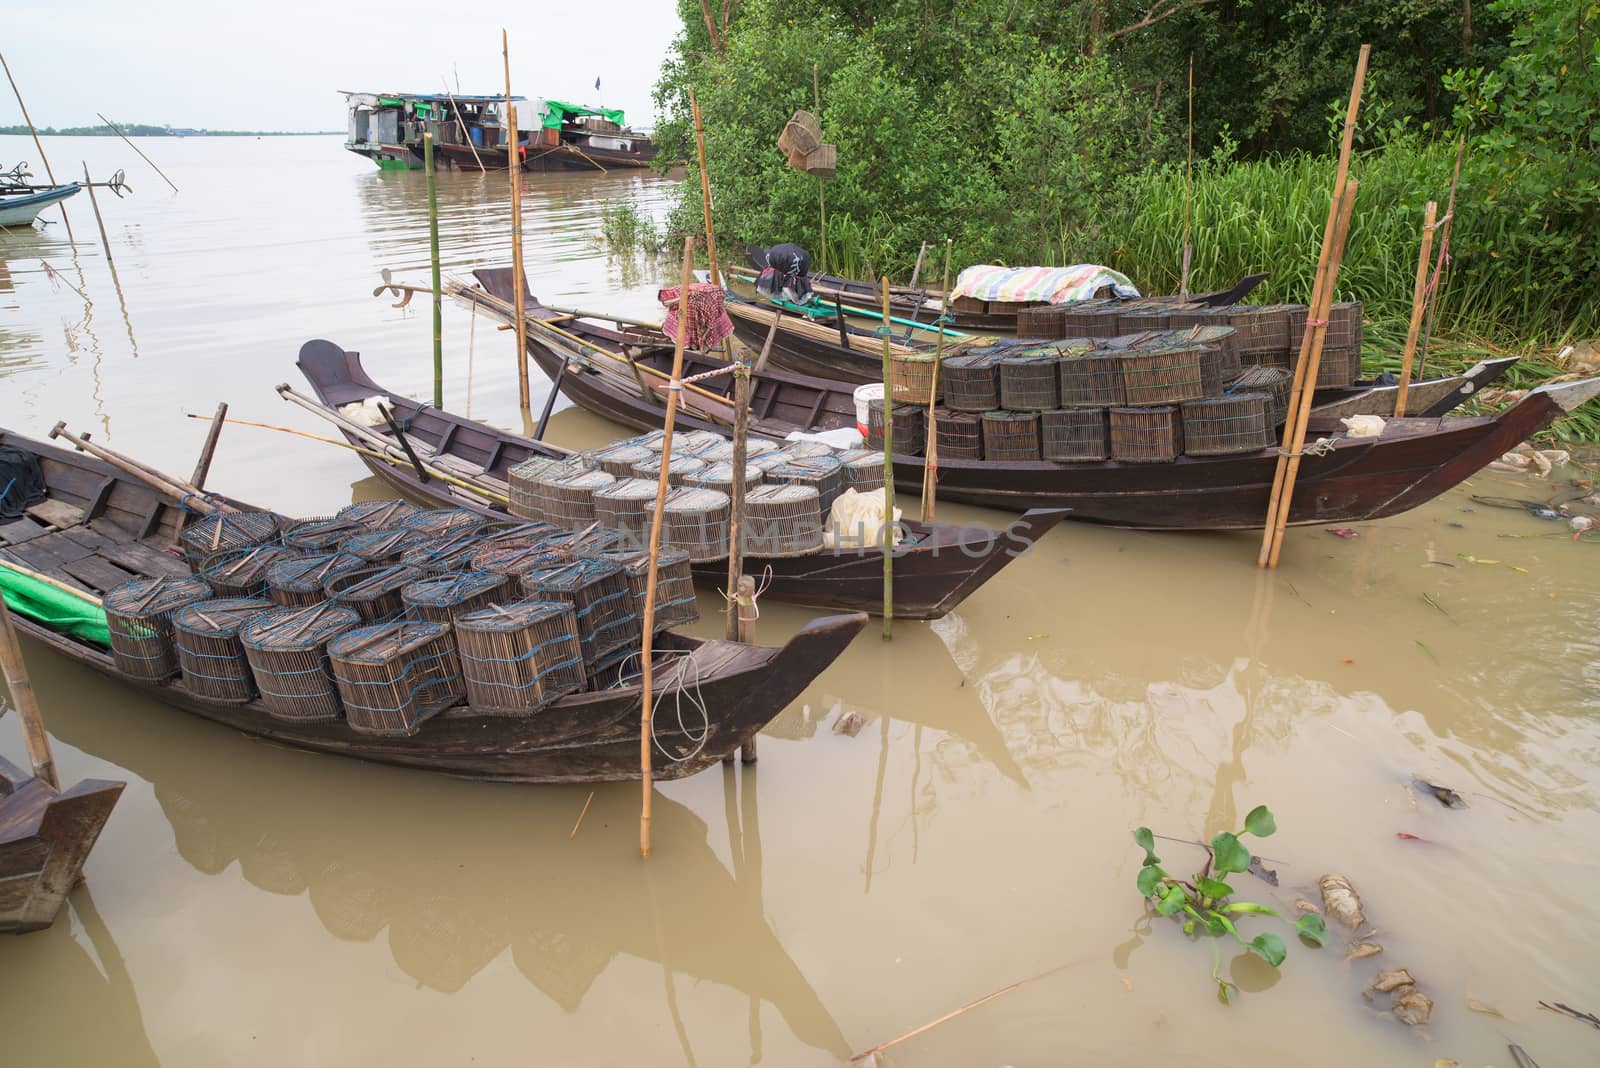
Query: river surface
[(252, 905)]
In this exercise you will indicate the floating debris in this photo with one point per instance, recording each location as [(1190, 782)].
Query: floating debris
[(1567, 1010), (1443, 794), (1363, 951), (1413, 1007), (848, 724), (1390, 981), (1340, 900), (1484, 1007)]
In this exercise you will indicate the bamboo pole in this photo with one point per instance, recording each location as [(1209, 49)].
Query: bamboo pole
[(1444, 255), (148, 475), (1341, 173), (22, 695), (135, 147), (202, 468), (887, 532), (1188, 193), (1419, 299), (930, 467), (646, 735), (822, 204), (433, 259), (466, 135), (105, 242), (37, 144), (746, 633), (518, 281)]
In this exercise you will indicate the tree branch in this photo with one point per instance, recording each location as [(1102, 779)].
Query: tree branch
[(711, 26), (1161, 9)]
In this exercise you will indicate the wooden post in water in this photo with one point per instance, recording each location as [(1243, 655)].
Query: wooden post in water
[(17, 681), (674, 388), (209, 449), (930, 466), (36, 144), (747, 634), (886, 535), (105, 242), (433, 256), (1419, 299), (1276, 503), (514, 168)]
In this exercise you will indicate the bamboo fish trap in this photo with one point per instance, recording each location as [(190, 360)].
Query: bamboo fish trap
[(696, 522), (1138, 318), (382, 546), (444, 521), (227, 530), (1339, 367), (210, 653), (1011, 436), (825, 474), (1263, 332), (445, 598), (911, 376), (1047, 321), (1224, 426), (373, 593), (719, 476), (568, 501), (1092, 318), (971, 382), (910, 427), (446, 552), (518, 658), (1222, 338), (243, 572), (1275, 382), (288, 653), (525, 493), (378, 515), (619, 460), (513, 555), (959, 435), (690, 442), (322, 534), (1074, 435), (675, 600), (1030, 383), (1092, 380), (800, 450), (627, 506), (598, 593), (678, 467), (139, 619), (862, 470), (1344, 330), (1146, 435), (393, 676), (1161, 376), (782, 520), (298, 580)]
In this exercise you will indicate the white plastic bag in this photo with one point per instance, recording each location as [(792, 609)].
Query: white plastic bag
[(856, 521), (1364, 426), (846, 437), (364, 411)]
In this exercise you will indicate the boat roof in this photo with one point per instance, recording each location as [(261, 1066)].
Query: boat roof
[(442, 98)]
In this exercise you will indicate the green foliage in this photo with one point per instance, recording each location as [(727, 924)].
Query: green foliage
[(1205, 902), (628, 229)]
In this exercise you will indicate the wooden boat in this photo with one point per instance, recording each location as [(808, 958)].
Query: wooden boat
[(939, 568), (1354, 479), (122, 528), (20, 206), (45, 838)]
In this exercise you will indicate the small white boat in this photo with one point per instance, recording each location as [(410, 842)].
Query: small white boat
[(21, 201)]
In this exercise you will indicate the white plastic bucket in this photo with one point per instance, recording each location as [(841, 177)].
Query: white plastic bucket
[(865, 395)]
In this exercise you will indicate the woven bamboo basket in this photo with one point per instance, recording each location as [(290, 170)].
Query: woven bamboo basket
[(628, 505), (691, 442), (1092, 380), (862, 469), (227, 530), (446, 552), (1162, 376), (1222, 338), (676, 604), (719, 476), (1011, 436), (378, 515), (444, 521), (598, 593), (526, 494), (911, 375), (767, 461), (1146, 435), (1093, 318), (1339, 367), (321, 534), (822, 161), (210, 654), (139, 618), (1224, 426), (1261, 328), (1138, 318), (971, 383), (823, 473), (958, 434), (297, 581), (718, 452), (696, 521), (910, 428), (568, 501), (1275, 382), (393, 676), (1048, 321), (288, 653), (801, 134), (243, 572), (1075, 435), (782, 520), (517, 658), (680, 466), (374, 593), (619, 460), (1345, 328), (383, 546), (444, 598), (1213, 375), (802, 450), (1198, 315), (1030, 383), (969, 306)]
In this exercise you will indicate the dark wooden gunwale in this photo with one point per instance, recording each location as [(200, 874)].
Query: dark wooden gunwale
[(1359, 479), (45, 838), (589, 737), (945, 564)]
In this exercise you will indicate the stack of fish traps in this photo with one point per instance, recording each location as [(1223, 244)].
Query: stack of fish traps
[(597, 590), (518, 658), (373, 593), (242, 572), (676, 604), (297, 581), (825, 474), (910, 427), (287, 649), (447, 552), (782, 520), (680, 466), (378, 515), (383, 546), (319, 534), (227, 530), (139, 617), (393, 676), (911, 377), (443, 521), (524, 481), (210, 654), (620, 459)]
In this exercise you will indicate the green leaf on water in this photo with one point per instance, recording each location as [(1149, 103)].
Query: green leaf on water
[(1147, 842), (1173, 900), (1312, 928), (1215, 889), (1150, 877), (1260, 822), (1229, 854), (1250, 907), (1269, 947)]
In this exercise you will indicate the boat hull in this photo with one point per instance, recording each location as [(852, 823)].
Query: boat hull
[(45, 838), (22, 210)]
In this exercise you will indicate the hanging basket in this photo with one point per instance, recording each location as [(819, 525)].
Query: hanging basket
[(802, 134), (821, 162)]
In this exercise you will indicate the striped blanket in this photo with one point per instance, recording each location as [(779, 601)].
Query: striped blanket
[(1054, 284)]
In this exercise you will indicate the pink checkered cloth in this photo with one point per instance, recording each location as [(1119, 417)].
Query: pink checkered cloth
[(708, 315)]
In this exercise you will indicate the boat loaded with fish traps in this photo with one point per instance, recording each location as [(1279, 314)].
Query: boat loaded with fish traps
[(344, 676), (1156, 485), (936, 567)]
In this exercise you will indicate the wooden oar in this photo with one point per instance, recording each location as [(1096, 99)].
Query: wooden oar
[(189, 495)]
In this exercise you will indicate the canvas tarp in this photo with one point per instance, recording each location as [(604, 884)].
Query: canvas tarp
[(557, 112), (55, 608)]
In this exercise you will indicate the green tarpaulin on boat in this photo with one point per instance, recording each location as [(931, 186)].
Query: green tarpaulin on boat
[(555, 113), (55, 608)]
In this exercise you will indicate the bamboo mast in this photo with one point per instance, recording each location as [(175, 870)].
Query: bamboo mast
[(646, 736), (1444, 254), (514, 168), (466, 135), (1275, 503), (886, 534), (36, 143), (135, 147), (433, 258), (822, 206), (22, 695), (1419, 299), (930, 468), (1188, 193)]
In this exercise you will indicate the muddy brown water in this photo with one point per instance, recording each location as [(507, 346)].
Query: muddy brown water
[(249, 904)]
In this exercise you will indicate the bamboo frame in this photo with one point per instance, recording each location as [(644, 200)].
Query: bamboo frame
[(1419, 300), (518, 279), (27, 702), (433, 260), (887, 530)]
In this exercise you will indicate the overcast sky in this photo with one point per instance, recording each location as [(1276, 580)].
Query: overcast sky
[(278, 66)]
